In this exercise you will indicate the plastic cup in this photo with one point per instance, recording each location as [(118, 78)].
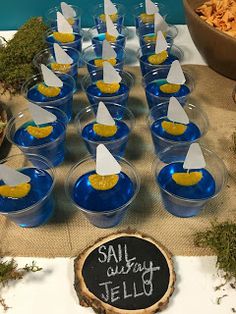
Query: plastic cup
[(181, 206), (51, 17), (51, 150), (119, 114), (97, 34), (40, 209), (94, 76), (64, 103), (149, 49), (99, 9), (148, 30), (91, 53), (101, 219), (47, 57), (195, 114), (160, 74), (76, 44), (140, 8)]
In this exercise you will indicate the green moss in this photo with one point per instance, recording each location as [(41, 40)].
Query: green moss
[(17, 55)]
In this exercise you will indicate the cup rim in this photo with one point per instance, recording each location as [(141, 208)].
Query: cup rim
[(77, 9), (50, 30), (90, 107), (83, 54), (203, 116), (142, 5), (39, 75), (88, 76), (171, 27), (124, 32), (88, 158), (12, 122), (52, 169), (119, 6), (204, 148)]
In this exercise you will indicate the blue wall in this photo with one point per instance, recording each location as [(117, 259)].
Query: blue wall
[(14, 13)]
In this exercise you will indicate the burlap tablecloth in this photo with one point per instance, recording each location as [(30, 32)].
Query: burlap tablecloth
[(69, 232)]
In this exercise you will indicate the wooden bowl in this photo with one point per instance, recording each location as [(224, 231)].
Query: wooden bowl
[(217, 48)]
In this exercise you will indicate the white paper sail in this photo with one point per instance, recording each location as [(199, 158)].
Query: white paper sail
[(194, 158), (109, 7), (110, 75), (12, 177), (151, 8), (176, 112), (67, 10), (111, 29), (103, 115), (40, 115), (107, 51), (50, 78), (176, 75), (61, 56), (63, 26), (106, 164), (160, 24), (161, 43)]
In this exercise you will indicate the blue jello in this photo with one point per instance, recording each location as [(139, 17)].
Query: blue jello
[(159, 135), (77, 43), (120, 97), (146, 66), (97, 40), (116, 144), (62, 101), (41, 182), (191, 198), (153, 92), (55, 149)]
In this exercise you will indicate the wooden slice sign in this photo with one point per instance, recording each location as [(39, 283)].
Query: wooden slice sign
[(124, 273)]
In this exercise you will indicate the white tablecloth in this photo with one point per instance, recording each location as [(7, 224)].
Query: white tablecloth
[(51, 290)]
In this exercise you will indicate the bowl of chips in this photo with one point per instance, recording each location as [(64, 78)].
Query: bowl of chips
[(212, 25)]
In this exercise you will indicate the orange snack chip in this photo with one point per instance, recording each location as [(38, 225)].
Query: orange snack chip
[(220, 14)]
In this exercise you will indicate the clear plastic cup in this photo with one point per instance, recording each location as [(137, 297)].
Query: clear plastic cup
[(51, 17), (140, 8), (105, 218), (159, 76), (53, 150), (146, 34), (196, 117), (97, 34), (36, 208), (124, 119), (47, 57), (64, 103), (76, 44), (91, 53), (184, 206), (94, 76), (99, 20), (174, 52)]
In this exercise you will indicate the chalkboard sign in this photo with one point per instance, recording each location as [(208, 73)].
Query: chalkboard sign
[(124, 271)]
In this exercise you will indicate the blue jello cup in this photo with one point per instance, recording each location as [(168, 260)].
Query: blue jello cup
[(51, 18), (146, 34), (97, 34), (214, 179), (76, 44), (140, 9), (89, 80), (63, 103), (99, 16), (51, 149), (174, 53), (158, 77), (47, 57), (91, 53), (36, 208), (197, 128), (124, 120), (104, 218)]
